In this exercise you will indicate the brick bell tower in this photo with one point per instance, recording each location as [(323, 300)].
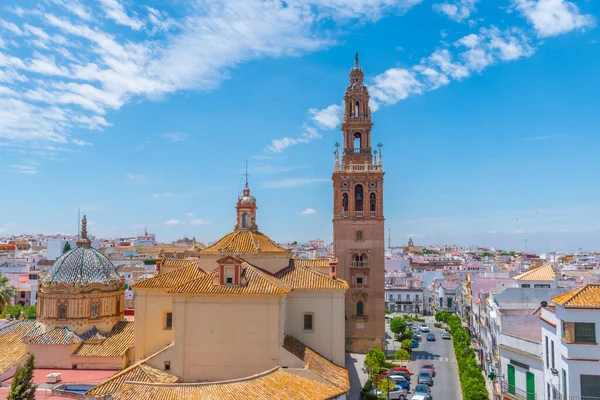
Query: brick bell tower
[(358, 223)]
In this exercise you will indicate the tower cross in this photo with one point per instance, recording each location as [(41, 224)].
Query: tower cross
[(246, 174)]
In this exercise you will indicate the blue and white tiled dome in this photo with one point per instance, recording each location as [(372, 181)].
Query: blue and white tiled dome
[(82, 266)]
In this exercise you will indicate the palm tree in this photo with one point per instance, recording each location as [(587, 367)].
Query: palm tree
[(7, 291)]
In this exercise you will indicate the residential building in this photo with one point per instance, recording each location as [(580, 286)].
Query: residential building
[(407, 299), (358, 221), (571, 353)]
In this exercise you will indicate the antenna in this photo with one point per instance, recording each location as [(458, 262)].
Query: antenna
[(389, 238), (246, 173), (78, 220)]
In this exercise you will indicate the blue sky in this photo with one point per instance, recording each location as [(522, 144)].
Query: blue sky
[(144, 115)]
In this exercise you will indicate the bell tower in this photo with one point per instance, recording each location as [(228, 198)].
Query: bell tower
[(358, 222)]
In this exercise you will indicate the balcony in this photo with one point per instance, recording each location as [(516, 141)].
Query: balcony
[(512, 392), (359, 213), (344, 213), (359, 264), (358, 168), (373, 213), (358, 150)]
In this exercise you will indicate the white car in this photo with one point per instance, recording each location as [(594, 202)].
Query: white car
[(423, 328), (396, 394), (446, 335)]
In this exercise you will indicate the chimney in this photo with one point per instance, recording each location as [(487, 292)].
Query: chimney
[(333, 262), (160, 257)]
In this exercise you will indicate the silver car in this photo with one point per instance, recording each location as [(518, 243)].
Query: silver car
[(425, 377)]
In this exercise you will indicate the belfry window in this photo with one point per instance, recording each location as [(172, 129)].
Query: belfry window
[(62, 311), (360, 309), (245, 219), (356, 108), (357, 141), (372, 201), (345, 202), (358, 198), (94, 311)]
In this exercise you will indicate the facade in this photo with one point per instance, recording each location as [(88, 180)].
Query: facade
[(245, 311), (404, 299), (358, 221), (571, 353)]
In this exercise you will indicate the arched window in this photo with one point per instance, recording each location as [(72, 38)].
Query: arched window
[(357, 141), (355, 257), (350, 109), (358, 198), (345, 202), (62, 311), (94, 311), (245, 220), (359, 235), (360, 309), (356, 107), (363, 257), (118, 306), (372, 201)]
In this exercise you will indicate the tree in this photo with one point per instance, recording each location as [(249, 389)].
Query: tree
[(402, 354), (386, 385), (149, 261), (66, 247), (486, 254), (374, 360), (22, 387), (398, 325), (405, 344), (7, 291)]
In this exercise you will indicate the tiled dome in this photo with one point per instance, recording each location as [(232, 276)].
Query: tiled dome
[(82, 266)]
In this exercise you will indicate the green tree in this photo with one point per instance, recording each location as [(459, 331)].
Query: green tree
[(374, 360), (386, 385), (149, 261), (7, 291), (22, 387), (402, 354), (398, 325), (405, 344), (66, 247), (486, 254)]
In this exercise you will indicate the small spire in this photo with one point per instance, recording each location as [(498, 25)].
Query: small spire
[(83, 240), (246, 173), (356, 59)]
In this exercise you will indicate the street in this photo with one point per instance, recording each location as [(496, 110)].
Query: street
[(441, 354)]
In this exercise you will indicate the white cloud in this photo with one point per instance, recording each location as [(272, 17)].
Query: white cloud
[(457, 10), (12, 27), (191, 215), (294, 182), (554, 17), (28, 169), (308, 211), (159, 195), (278, 145), (329, 117), (172, 222), (135, 177), (115, 11), (199, 222), (175, 136), (81, 142)]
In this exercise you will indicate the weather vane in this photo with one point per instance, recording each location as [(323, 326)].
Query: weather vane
[(356, 59)]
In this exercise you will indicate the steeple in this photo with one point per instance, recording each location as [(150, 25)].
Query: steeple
[(246, 209), (83, 241)]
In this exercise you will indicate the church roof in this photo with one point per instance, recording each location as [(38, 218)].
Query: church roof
[(300, 277), (257, 282), (245, 241), (544, 273), (120, 339), (82, 266), (11, 342), (312, 262), (54, 336), (587, 296), (93, 334), (173, 278)]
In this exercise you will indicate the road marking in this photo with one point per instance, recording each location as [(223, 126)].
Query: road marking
[(432, 358)]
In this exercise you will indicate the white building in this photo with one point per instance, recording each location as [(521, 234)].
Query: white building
[(571, 353), (404, 299), (145, 240)]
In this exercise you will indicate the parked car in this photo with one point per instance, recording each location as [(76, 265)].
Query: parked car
[(446, 335), (423, 328), (417, 336), (428, 366), (397, 370), (401, 381), (422, 392), (425, 377), (430, 337), (397, 394), (414, 343)]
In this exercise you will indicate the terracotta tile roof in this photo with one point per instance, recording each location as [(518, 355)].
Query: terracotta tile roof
[(173, 278), (257, 282), (587, 296), (54, 336), (318, 364), (300, 277), (544, 273), (312, 262), (273, 384), (245, 242), (120, 339), (180, 262), (138, 372), (12, 347)]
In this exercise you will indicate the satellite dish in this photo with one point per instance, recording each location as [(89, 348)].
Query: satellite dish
[(544, 304)]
